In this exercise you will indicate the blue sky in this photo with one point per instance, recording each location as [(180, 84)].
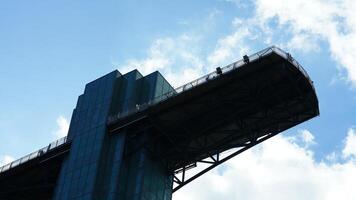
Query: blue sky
[(49, 50)]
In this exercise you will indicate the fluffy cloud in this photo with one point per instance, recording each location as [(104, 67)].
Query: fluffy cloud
[(307, 137), (230, 47), (350, 144), (180, 59), (5, 160), (175, 57), (62, 129), (303, 42), (185, 57), (279, 168)]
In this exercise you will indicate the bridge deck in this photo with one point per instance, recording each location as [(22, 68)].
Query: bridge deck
[(248, 100), (33, 176)]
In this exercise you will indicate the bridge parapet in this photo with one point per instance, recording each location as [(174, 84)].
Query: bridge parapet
[(35, 154), (253, 57)]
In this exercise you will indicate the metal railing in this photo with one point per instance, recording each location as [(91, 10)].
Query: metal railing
[(207, 78), (35, 154)]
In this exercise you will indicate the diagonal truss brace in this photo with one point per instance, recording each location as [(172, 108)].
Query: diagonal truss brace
[(216, 161)]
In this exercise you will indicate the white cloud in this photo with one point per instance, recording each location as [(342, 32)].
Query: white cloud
[(303, 42), (5, 160), (174, 57), (180, 59), (62, 129), (332, 157), (307, 137), (277, 169), (184, 58), (350, 144), (230, 47)]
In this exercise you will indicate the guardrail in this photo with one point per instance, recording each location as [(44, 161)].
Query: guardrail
[(209, 77), (35, 154)]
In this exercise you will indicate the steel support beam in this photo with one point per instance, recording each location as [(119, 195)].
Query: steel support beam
[(182, 182)]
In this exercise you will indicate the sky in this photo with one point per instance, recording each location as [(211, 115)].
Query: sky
[(49, 50)]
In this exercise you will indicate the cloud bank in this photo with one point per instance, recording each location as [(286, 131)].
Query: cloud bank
[(280, 168)]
